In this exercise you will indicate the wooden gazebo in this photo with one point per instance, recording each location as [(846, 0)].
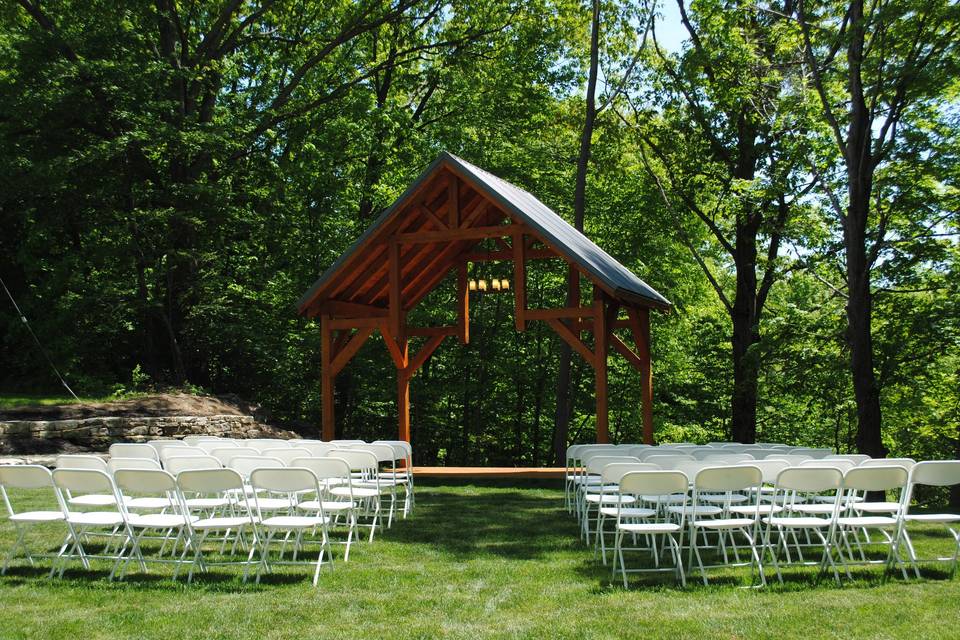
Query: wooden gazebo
[(435, 227)]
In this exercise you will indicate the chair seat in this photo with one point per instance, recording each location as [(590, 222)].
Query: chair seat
[(648, 527), (358, 492), (671, 499), (609, 498), (207, 503), (799, 522), (933, 517), (599, 488), (93, 500), (763, 509), (95, 518), (209, 524), (157, 520), (737, 498), (696, 510), (315, 505), (724, 523), (866, 521), (629, 512), (37, 516), (293, 522), (846, 499), (273, 504), (877, 507), (147, 503), (818, 509)]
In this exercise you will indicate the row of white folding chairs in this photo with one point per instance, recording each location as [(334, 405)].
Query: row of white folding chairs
[(124, 525), (832, 524)]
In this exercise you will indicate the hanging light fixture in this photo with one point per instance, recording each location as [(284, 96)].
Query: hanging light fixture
[(472, 285), (505, 285), (482, 285), (495, 284)]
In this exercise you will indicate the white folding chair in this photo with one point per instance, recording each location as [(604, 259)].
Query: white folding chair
[(340, 508), (133, 450), (731, 483), (365, 487), (82, 525), (287, 454), (608, 500), (639, 484), (856, 458), (262, 444), (240, 520), (176, 465), (115, 464), (292, 482), (866, 479), (590, 490), (794, 488), (225, 456), (934, 473), (89, 500), (153, 485), (25, 477)]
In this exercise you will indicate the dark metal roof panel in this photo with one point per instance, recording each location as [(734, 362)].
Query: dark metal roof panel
[(561, 234)]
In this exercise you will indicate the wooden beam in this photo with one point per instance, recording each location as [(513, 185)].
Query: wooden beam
[(563, 312), (520, 282), (326, 379), (600, 367), (432, 331), (463, 304), (626, 351), (468, 233), (504, 255), (572, 339), (432, 217), (355, 323), (423, 354), (353, 309), (397, 352), (396, 303), (350, 349), (453, 201), (403, 406), (343, 337), (640, 327)]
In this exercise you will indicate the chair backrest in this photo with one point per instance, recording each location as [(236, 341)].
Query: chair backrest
[(179, 465), (613, 472), (362, 461), (789, 458), (246, 465), (25, 476), (169, 453), (317, 449), (663, 451), (856, 458), (729, 458), (77, 461), (226, 455), (842, 465), (384, 452), (115, 464), (596, 465), (284, 480), (759, 453), (262, 444), (402, 448), (133, 450), (83, 481), (653, 483), (935, 473), (209, 480), (209, 446), (587, 455), (160, 445), (770, 469), (810, 479), (691, 468), (144, 481), (728, 478), (348, 442), (325, 468), (907, 463), (667, 461), (875, 478), (288, 454)]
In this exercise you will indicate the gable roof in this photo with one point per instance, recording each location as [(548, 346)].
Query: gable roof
[(543, 222)]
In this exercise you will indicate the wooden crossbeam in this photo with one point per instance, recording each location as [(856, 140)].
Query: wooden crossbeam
[(396, 348), (424, 353), (572, 339), (562, 312), (432, 217), (353, 309), (462, 233), (626, 351), (350, 349), (504, 255)]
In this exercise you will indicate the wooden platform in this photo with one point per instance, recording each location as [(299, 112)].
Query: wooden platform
[(490, 472)]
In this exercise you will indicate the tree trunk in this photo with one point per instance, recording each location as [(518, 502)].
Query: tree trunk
[(746, 336), (859, 164), (564, 409)]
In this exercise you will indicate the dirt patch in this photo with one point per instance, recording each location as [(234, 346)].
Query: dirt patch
[(159, 405)]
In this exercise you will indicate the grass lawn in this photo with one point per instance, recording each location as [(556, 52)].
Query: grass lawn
[(491, 560), (8, 401)]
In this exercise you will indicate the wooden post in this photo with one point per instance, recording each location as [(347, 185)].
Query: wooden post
[(403, 394), (600, 365), (463, 305), (326, 378), (520, 281), (395, 311), (640, 327)]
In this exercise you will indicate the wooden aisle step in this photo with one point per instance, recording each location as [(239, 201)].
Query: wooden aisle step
[(490, 472)]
